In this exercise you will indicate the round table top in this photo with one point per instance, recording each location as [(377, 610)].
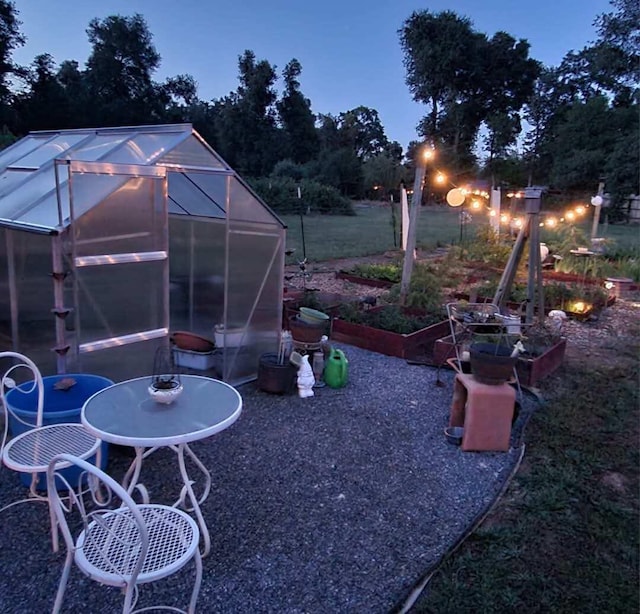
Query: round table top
[(125, 414)]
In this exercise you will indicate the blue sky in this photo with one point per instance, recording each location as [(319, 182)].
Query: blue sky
[(349, 50)]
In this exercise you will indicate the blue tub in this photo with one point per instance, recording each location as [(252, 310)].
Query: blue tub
[(59, 406)]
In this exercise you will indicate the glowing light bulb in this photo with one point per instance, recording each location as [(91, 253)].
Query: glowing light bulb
[(504, 218), (570, 216), (580, 210)]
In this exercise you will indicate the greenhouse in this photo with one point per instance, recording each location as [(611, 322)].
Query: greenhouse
[(113, 239)]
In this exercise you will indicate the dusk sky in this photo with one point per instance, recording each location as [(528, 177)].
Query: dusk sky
[(349, 49)]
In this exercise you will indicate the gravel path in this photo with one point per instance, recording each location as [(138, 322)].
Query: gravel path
[(336, 503)]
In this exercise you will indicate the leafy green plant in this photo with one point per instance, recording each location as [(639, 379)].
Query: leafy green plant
[(487, 246), (387, 272), (392, 318)]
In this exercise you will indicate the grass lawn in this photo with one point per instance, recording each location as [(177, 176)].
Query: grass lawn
[(564, 538), (371, 231)]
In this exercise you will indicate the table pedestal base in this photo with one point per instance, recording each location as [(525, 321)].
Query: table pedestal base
[(188, 499)]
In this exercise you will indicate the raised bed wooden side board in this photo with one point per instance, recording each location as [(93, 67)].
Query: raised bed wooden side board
[(409, 346)]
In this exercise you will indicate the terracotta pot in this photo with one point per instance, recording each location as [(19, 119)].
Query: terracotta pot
[(305, 332), (190, 341)]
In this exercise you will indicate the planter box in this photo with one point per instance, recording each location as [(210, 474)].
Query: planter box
[(365, 281), (530, 370), (414, 345), (201, 361)]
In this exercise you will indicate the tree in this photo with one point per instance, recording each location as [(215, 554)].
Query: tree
[(362, 130), (245, 120), (465, 78), (438, 53), (44, 106), (10, 39), (298, 122), (119, 71)]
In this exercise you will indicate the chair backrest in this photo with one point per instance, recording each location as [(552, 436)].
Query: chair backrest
[(8, 382), (97, 496)]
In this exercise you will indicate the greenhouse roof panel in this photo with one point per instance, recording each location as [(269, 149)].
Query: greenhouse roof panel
[(30, 196)]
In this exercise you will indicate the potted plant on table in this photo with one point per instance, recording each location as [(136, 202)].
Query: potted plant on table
[(166, 384)]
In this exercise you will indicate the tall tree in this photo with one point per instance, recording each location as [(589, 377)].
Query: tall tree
[(245, 120), (10, 39), (438, 53), (44, 105), (465, 78), (297, 120), (119, 70)]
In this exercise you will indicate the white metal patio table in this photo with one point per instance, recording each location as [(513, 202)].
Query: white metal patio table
[(126, 415)]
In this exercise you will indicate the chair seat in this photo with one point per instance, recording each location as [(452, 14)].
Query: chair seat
[(32, 451), (108, 548)]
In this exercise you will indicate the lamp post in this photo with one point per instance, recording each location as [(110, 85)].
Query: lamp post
[(416, 199)]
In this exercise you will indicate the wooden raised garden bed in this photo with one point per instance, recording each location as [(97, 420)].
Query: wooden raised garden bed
[(409, 346)]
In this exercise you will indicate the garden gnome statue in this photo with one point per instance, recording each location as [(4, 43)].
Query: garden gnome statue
[(306, 380)]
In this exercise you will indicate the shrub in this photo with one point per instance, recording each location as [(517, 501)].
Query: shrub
[(281, 194)]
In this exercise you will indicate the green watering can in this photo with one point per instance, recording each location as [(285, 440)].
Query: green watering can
[(336, 369)]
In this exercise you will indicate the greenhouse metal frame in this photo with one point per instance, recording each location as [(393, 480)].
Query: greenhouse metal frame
[(114, 238)]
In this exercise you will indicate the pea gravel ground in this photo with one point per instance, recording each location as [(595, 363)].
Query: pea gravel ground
[(337, 503)]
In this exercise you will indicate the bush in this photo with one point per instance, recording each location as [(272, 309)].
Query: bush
[(281, 194)]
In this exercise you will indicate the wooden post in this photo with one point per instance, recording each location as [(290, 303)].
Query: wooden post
[(416, 200)]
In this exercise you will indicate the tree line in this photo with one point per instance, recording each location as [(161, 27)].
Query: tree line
[(568, 126)]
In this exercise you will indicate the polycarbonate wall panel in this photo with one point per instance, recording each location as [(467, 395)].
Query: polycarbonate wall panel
[(245, 206), (192, 153), (20, 149), (130, 220), (33, 293), (191, 198), (196, 274), (214, 186), (119, 299), (54, 148), (145, 148), (254, 293), (120, 363)]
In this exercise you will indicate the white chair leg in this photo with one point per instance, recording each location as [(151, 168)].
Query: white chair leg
[(196, 586), (63, 583)]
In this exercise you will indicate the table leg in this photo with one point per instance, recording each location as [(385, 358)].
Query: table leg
[(133, 473), (187, 490)]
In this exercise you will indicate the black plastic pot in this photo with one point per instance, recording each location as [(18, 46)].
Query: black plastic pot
[(273, 377), (491, 364)]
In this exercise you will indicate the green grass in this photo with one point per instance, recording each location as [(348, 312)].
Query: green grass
[(370, 232), (561, 539)]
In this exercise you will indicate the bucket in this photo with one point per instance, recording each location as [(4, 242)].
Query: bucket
[(60, 406)]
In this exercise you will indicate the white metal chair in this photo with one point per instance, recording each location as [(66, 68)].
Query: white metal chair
[(31, 452), (121, 543)]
